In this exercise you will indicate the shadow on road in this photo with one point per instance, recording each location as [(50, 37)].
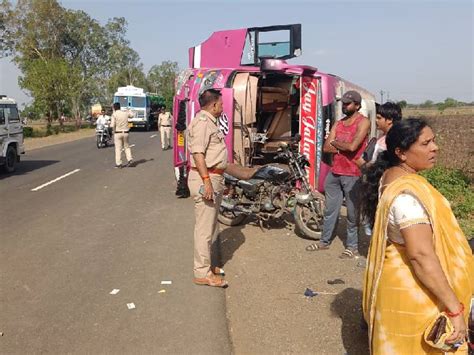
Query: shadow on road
[(347, 305), (26, 166), (138, 162), (229, 240)]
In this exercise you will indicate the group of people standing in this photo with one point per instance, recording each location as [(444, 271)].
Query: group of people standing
[(118, 125), (419, 262)]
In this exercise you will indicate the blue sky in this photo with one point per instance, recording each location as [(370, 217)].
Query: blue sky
[(415, 50)]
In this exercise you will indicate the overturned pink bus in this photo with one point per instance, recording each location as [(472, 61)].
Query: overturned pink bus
[(266, 99)]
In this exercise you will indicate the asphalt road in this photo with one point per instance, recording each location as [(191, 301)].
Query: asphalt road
[(65, 246)]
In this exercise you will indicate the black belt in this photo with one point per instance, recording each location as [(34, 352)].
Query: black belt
[(121, 131), (165, 125)]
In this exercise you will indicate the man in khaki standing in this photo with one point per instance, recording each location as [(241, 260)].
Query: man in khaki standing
[(206, 183), (165, 119), (119, 124)]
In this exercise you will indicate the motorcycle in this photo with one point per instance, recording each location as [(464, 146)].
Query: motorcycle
[(273, 191), (103, 136)]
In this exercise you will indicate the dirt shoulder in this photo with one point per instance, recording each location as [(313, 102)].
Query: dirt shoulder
[(266, 307), (36, 143)]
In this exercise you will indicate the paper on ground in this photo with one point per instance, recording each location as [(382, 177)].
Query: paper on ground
[(166, 282), (131, 305), (114, 291), (162, 291)]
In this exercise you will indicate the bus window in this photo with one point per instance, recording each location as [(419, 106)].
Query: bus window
[(122, 100), (138, 101)]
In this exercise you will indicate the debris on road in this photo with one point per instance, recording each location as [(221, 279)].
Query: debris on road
[(114, 291), (166, 282), (336, 282), (131, 305), (310, 293), (162, 291)]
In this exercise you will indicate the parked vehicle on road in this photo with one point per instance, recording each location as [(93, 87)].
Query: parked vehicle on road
[(273, 191), (11, 134), (144, 106)]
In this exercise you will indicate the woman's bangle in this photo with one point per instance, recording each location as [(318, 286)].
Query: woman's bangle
[(205, 177), (452, 315)]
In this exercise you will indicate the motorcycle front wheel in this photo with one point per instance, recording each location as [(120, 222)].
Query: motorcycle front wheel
[(99, 143), (308, 221)]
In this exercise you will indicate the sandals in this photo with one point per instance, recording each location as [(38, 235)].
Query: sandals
[(211, 280), (317, 246), (349, 254), (218, 271)]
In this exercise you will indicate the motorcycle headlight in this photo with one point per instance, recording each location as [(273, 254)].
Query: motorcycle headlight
[(304, 199)]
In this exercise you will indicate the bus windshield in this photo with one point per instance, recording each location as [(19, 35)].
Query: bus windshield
[(138, 101), (122, 100)]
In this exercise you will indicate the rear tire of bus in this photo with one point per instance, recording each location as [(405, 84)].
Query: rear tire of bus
[(10, 160)]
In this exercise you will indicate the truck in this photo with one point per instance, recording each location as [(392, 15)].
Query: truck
[(144, 106), (11, 134)]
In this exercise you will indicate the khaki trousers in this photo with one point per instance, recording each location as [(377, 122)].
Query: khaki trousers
[(206, 228), (121, 142), (165, 137)]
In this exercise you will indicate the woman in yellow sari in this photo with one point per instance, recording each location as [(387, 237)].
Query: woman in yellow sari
[(419, 262)]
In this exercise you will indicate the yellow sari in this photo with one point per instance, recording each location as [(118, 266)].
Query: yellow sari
[(397, 307)]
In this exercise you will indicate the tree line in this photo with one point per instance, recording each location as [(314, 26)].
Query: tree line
[(69, 61), (441, 106)]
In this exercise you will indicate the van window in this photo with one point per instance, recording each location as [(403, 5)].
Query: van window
[(2, 115), (11, 113)]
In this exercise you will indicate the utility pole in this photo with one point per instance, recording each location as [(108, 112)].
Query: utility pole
[(381, 96)]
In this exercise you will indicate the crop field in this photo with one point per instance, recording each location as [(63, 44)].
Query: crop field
[(455, 138)]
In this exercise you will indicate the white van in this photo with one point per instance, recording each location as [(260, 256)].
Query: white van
[(11, 134)]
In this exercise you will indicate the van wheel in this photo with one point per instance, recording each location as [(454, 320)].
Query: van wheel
[(10, 160), (147, 127)]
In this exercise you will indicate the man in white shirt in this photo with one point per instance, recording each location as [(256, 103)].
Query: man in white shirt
[(104, 119)]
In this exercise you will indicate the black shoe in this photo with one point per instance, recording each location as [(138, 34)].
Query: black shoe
[(129, 164), (118, 166)]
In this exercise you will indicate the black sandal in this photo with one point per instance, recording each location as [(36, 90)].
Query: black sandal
[(317, 246)]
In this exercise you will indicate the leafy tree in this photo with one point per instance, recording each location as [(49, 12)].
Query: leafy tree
[(161, 79), (427, 103), (402, 104), (68, 60)]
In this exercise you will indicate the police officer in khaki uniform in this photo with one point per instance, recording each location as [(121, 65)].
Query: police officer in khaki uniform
[(119, 124), (165, 119), (206, 183)]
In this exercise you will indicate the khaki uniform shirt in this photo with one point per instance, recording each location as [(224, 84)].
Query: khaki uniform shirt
[(165, 119), (205, 137), (119, 122)]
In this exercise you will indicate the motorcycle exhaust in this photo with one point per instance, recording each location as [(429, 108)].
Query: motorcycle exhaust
[(228, 205)]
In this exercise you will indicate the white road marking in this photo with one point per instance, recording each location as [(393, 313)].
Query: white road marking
[(57, 179), (153, 136)]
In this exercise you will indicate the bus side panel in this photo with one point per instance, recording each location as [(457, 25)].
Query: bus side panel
[(226, 121), (308, 124)]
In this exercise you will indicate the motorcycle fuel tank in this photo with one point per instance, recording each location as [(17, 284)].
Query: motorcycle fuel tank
[(271, 173)]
